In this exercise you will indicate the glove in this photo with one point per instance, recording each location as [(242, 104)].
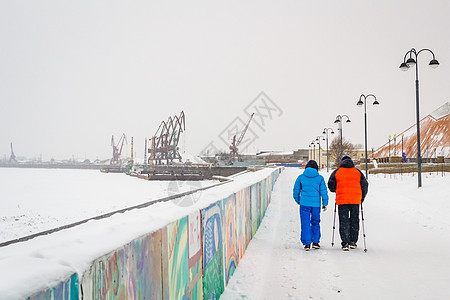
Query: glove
[(324, 208)]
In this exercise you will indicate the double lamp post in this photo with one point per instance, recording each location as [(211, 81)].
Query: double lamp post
[(363, 100), (410, 61), (339, 119)]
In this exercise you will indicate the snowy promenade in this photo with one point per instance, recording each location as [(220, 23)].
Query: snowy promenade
[(408, 242)]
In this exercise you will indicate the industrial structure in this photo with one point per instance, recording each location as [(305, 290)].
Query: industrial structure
[(117, 150), (12, 157), (234, 153), (164, 143)]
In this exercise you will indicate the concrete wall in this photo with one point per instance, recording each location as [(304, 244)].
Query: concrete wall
[(192, 258)]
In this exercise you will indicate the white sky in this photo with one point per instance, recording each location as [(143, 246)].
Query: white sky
[(72, 74)]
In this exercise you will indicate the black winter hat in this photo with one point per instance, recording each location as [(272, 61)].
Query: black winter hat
[(312, 164), (345, 156)]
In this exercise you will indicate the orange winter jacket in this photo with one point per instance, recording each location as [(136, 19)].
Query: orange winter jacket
[(349, 184)]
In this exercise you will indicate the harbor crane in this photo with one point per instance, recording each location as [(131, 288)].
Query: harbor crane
[(117, 149), (164, 143), (12, 157), (234, 154)]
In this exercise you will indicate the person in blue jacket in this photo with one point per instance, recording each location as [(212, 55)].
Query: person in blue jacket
[(310, 192)]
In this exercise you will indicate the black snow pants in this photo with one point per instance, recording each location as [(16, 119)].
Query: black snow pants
[(348, 223)]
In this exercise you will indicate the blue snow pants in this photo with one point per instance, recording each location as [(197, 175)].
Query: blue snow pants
[(310, 224)]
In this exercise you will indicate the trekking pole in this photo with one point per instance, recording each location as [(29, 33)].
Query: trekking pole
[(364, 233), (334, 224)]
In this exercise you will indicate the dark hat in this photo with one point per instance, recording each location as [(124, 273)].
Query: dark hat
[(312, 164), (345, 156)]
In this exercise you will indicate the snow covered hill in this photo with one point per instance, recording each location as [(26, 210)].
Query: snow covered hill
[(434, 137), (408, 242)]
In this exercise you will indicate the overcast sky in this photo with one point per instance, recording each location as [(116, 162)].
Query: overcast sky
[(74, 73)]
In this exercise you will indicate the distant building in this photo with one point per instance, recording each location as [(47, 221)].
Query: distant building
[(434, 139)]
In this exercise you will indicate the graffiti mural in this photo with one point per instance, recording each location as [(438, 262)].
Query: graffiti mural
[(243, 216), (66, 290), (144, 268), (131, 272), (248, 217), (176, 263), (254, 208), (231, 237), (107, 274), (213, 270), (264, 196), (195, 256)]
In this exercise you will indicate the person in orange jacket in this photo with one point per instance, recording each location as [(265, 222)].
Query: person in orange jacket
[(350, 186)]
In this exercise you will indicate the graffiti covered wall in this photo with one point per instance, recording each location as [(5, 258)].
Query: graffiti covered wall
[(131, 272), (213, 257), (230, 231), (191, 258), (181, 259), (66, 290)]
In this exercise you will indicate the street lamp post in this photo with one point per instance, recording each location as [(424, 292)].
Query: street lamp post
[(318, 143), (313, 143), (363, 100), (339, 120), (310, 152), (389, 149), (325, 131), (404, 66), (395, 144), (402, 150)]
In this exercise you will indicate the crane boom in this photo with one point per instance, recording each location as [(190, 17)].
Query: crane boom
[(12, 157), (235, 143), (241, 137), (116, 151)]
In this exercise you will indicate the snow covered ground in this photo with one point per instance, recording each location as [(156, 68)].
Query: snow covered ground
[(408, 241), (34, 200)]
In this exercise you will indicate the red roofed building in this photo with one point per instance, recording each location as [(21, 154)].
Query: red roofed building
[(434, 138)]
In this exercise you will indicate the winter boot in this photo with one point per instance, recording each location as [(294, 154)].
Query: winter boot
[(345, 247), (316, 245), (307, 247), (352, 245)]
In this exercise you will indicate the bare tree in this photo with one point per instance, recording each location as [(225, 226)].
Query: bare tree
[(347, 148)]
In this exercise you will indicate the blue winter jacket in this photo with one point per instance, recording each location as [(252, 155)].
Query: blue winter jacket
[(309, 188)]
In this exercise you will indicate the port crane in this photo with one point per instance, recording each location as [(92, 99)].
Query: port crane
[(117, 149), (164, 143), (234, 154), (12, 157)]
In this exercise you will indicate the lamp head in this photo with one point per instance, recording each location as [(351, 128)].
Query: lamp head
[(404, 67), (348, 121), (360, 102), (323, 132), (434, 63), (332, 132), (337, 121), (376, 102), (410, 62)]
